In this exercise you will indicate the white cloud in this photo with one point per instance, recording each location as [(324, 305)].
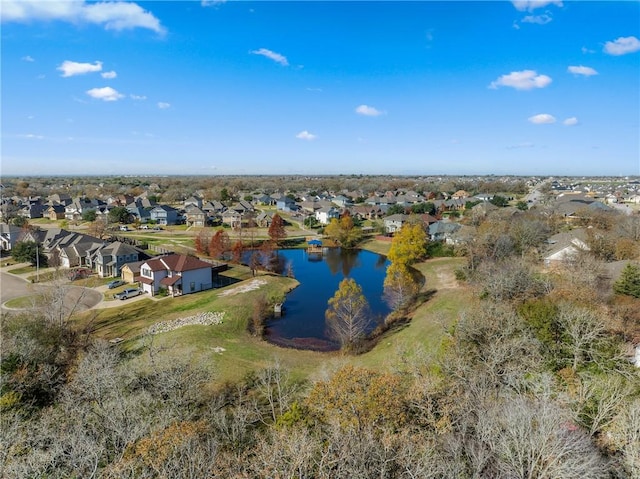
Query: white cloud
[(112, 15), (276, 57), (538, 19), (582, 70), (164, 105), (531, 5), (542, 119), (109, 75), (28, 58), (570, 121), (585, 50), (137, 97), (31, 136), (523, 80), (367, 110), (305, 135), (106, 94), (69, 68), (622, 46), (212, 3)]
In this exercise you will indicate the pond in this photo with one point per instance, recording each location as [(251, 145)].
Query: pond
[(303, 323)]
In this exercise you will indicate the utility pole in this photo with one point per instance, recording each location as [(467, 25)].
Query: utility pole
[(37, 264)]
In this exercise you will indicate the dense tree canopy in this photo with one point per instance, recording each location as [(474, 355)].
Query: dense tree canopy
[(29, 252), (344, 231), (408, 245)]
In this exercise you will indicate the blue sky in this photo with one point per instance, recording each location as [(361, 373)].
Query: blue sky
[(523, 87)]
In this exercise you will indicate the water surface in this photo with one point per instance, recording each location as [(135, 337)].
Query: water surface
[(303, 323)]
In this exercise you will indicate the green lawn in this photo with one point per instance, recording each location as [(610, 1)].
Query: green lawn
[(430, 321), (242, 351), (22, 270), (22, 302)]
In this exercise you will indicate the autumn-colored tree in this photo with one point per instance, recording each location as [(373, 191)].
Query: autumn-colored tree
[(348, 314), (219, 244), (344, 231), (98, 228), (201, 242), (626, 248), (408, 245), (254, 262), (276, 230), (400, 287), (236, 251), (360, 398)]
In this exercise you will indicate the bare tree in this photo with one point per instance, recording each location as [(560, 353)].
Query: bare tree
[(536, 440), (275, 386), (583, 331), (624, 434), (600, 399)]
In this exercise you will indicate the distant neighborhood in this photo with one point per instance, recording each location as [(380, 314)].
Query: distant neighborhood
[(450, 217)]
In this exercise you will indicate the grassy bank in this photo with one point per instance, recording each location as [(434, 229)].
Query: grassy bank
[(230, 351)]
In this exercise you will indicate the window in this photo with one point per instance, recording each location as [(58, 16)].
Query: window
[(146, 272), (193, 286)]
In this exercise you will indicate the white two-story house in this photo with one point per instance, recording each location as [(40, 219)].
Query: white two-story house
[(177, 273)]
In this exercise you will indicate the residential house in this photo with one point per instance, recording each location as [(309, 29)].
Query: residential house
[(120, 200), (263, 199), (31, 211), (443, 231), (264, 219), (179, 274), (460, 194), (564, 247), (195, 216), (342, 201), (326, 214), (192, 201), (55, 212), (394, 223), (130, 272), (74, 210), (59, 199), (286, 204), (138, 213), (232, 218), (367, 212), (108, 259), (9, 236), (164, 215)]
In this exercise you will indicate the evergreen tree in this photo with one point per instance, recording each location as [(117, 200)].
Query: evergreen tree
[(629, 281)]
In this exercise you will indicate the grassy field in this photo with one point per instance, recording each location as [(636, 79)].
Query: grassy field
[(430, 321), (22, 270), (241, 352)]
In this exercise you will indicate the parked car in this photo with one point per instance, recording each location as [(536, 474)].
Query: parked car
[(79, 273), (115, 283), (127, 293)]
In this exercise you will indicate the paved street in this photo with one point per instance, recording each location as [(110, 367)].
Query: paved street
[(77, 297)]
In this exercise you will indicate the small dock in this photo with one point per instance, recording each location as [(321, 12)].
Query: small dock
[(277, 309), (314, 246)]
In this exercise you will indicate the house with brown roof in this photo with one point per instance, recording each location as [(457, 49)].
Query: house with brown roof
[(177, 273)]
